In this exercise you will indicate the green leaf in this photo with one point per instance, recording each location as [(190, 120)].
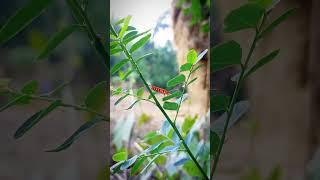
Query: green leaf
[(22, 18), (140, 43), (117, 91), (188, 123), (131, 38), (97, 96), (121, 156), (276, 22), (132, 105), (124, 76), (16, 100), (56, 40), (262, 62), (114, 44), (34, 119), (245, 17), (120, 21), (196, 68), (116, 167), (130, 34), (276, 174), (128, 162), (120, 99), (214, 143), (150, 162), (115, 51), (193, 80), (83, 128), (137, 166), (30, 87), (140, 92), (219, 103), (185, 67), (142, 57), (125, 26), (225, 55), (170, 106), (263, 3), (118, 66), (191, 169), (176, 80), (192, 56), (175, 94)]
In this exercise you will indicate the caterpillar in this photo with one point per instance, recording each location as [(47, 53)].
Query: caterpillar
[(160, 90)]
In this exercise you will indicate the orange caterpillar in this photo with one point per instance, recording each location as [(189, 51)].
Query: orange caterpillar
[(160, 90)]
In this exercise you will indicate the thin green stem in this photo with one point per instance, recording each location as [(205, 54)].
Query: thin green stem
[(160, 153), (235, 96), (47, 99), (183, 91), (136, 67)]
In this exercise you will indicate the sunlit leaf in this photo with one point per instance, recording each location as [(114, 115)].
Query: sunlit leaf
[(97, 96), (125, 26), (225, 55), (22, 18), (34, 119), (118, 66), (117, 91), (188, 123), (175, 94), (120, 156), (56, 40), (185, 67), (140, 92), (192, 56), (137, 166), (247, 16), (115, 51), (140, 43), (176, 80), (191, 169), (142, 57), (131, 38), (130, 34), (276, 22), (83, 128), (265, 60), (170, 106)]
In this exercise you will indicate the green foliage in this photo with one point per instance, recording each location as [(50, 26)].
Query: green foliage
[(251, 15), (22, 18), (168, 139), (144, 118)]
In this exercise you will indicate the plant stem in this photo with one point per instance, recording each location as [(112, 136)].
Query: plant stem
[(235, 96), (183, 91), (76, 107), (136, 67), (160, 153)]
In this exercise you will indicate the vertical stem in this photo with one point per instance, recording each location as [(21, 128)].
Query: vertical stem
[(136, 67), (235, 96)]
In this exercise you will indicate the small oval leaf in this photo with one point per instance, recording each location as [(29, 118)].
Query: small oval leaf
[(176, 80), (118, 66), (170, 106), (192, 56), (121, 156), (97, 96)]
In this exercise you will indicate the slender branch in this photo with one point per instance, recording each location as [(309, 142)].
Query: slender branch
[(183, 91), (160, 153), (136, 67), (47, 99), (235, 96)]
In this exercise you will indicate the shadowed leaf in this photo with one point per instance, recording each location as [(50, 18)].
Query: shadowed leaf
[(97, 96), (176, 80), (22, 18), (83, 128), (170, 106), (118, 66), (140, 43), (34, 119)]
